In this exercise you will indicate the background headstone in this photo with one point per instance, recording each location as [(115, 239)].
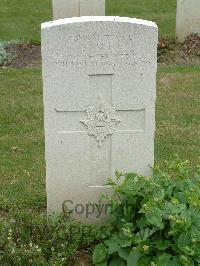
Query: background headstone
[(99, 79), (187, 19), (77, 8)]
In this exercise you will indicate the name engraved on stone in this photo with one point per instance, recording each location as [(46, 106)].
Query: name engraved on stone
[(128, 59), (102, 47)]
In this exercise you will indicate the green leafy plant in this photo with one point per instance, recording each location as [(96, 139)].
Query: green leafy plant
[(155, 220), (4, 55), (28, 238)]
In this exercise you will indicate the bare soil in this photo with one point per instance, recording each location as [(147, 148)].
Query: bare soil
[(23, 56), (169, 53), (172, 53), (81, 259)]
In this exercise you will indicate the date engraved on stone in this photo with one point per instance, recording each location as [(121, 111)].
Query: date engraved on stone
[(100, 121)]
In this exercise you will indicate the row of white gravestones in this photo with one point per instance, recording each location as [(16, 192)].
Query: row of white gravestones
[(77, 8), (99, 79), (188, 18), (187, 21)]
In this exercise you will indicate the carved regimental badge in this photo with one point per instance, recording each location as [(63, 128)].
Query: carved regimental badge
[(100, 121)]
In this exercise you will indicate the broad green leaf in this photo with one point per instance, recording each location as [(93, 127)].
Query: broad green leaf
[(113, 246), (162, 245), (142, 223), (176, 261), (125, 243), (103, 263), (188, 250), (196, 219), (144, 234), (184, 239), (181, 197), (155, 217), (195, 233), (187, 215), (99, 254), (174, 208), (175, 247), (164, 260), (124, 253), (197, 252), (169, 190), (127, 231), (198, 261), (133, 258), (117, 261)]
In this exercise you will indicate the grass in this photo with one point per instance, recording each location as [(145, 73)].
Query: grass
[(21, 19), (178, 113), (163, 12), (21, 140), (22, 171)]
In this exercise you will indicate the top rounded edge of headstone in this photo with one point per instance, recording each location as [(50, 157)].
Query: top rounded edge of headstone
[(98, 19)]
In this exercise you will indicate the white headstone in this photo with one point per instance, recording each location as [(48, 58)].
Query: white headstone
[(99, 78), (187, 19), (77, 8)]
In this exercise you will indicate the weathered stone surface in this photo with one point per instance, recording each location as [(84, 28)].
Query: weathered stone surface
[(77, 8), (99, 79), (187, 19)]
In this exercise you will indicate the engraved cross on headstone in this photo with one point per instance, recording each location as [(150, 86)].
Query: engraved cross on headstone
[(101, 120)]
